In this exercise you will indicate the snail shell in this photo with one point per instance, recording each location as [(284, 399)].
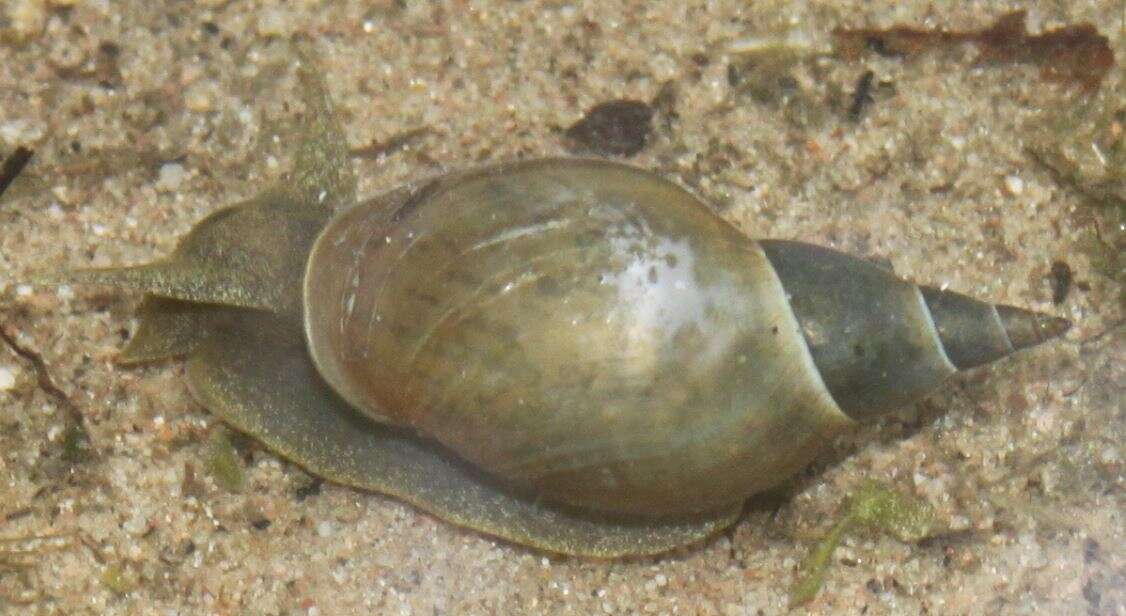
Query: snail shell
[(570, 354), (595, 334)]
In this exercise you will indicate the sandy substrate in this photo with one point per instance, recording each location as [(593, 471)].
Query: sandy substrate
[(145, 116)]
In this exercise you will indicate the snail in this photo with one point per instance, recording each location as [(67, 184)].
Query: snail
[(571, 354)]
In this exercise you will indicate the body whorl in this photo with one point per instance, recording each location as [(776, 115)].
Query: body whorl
[(578, 328), (596, 335)]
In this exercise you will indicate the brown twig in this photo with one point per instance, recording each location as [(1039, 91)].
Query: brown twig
[(391, 145), (1075, 53), (45, 382), (861, 97)]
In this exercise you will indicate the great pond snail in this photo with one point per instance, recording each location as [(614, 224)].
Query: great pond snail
[(571, 354)]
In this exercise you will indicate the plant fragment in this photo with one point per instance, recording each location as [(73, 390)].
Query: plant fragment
[(1074, 53), (876, 508)]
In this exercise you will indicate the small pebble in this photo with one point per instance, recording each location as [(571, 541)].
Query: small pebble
[(27, 18), (66, 55), (136, 524), (1014, 185), (21, 131), (171, 175), (7, 378), (324, 529), (198, 99), (274, 22)]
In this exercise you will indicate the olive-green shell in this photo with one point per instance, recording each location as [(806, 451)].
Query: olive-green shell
[(583, 329)]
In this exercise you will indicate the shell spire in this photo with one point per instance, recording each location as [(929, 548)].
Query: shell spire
[(879, 342), (1026, 328), (974, 333)]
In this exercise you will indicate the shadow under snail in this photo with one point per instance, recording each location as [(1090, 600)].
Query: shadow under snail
[(575, 355)]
